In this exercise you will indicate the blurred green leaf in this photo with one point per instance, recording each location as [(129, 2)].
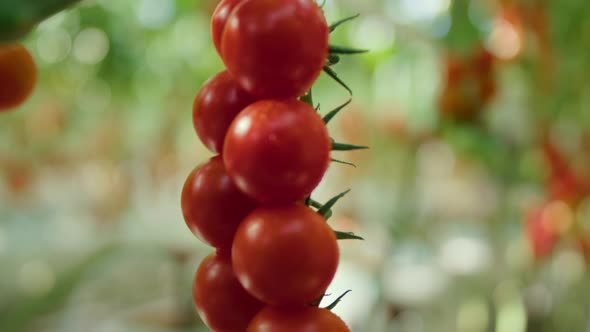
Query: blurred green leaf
[(19, 17), (18, 318)]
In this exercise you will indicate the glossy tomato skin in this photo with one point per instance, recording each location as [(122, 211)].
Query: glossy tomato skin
[(212, 205), (277, 150), (306, 319), (220, 300), (18, 76), (219, 18), (275, 48), (285, 255), (216, 105)]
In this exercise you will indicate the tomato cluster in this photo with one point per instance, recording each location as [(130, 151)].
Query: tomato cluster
[(275, 255), (18, 76), (555, 219), (469, 85)]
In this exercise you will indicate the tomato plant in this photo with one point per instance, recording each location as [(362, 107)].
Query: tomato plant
[(212, 205), (285, 255), (275, 48), (253, 201), (216, 105), (221, 301), (18, 76), (220, 16), (277, 151), (306, 319)]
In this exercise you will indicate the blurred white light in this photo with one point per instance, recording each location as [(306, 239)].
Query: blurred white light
[(568, 267), (54, 45), (356, 305), (410, 279), (411, 321), (436, 159), (504, 41), (417, 11), (373, 33), (36, 277), (539, 300), (511, 317), (155, 13), (464, 256), (91, 46)]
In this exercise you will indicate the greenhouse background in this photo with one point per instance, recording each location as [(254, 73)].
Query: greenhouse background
[(469, 223)]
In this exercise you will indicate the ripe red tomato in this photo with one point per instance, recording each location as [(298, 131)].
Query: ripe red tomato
[(212, 205), (215, 107), (277, 151), (285, 255), (222, 303), (306, 319), (276, 48), (219, 18), (18, 76)]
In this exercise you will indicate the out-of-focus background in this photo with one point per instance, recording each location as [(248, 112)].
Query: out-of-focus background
[(471, 198)]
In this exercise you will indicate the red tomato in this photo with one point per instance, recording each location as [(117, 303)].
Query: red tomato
[(542, 238), (285, 255), (18, 76), (215, 107), (212, 205), (275, 48), (222, 303), (219, 18), (277, 151), (306, 319)]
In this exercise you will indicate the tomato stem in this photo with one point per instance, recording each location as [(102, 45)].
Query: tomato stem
[(329, 204), (343, 162), (328, 117), (308, 98), (335, 77), (336, 24), (335, 303), (334, 50), (347, 147)]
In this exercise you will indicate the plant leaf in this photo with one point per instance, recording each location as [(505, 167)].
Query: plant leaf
[(335, 303), (328, 117), (347, 236), (336, 24), (343, 162), (347, 147), (329, 204), (335, 77), (334, 49)]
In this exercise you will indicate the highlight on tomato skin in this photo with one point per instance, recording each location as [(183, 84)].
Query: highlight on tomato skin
[(276, 48), (212, 205), (18, 76), (220, 300), (303, 319), (285, 255), (277, 151), (216, 105)]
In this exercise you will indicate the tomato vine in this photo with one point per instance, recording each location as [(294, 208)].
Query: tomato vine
[(252, 202)]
